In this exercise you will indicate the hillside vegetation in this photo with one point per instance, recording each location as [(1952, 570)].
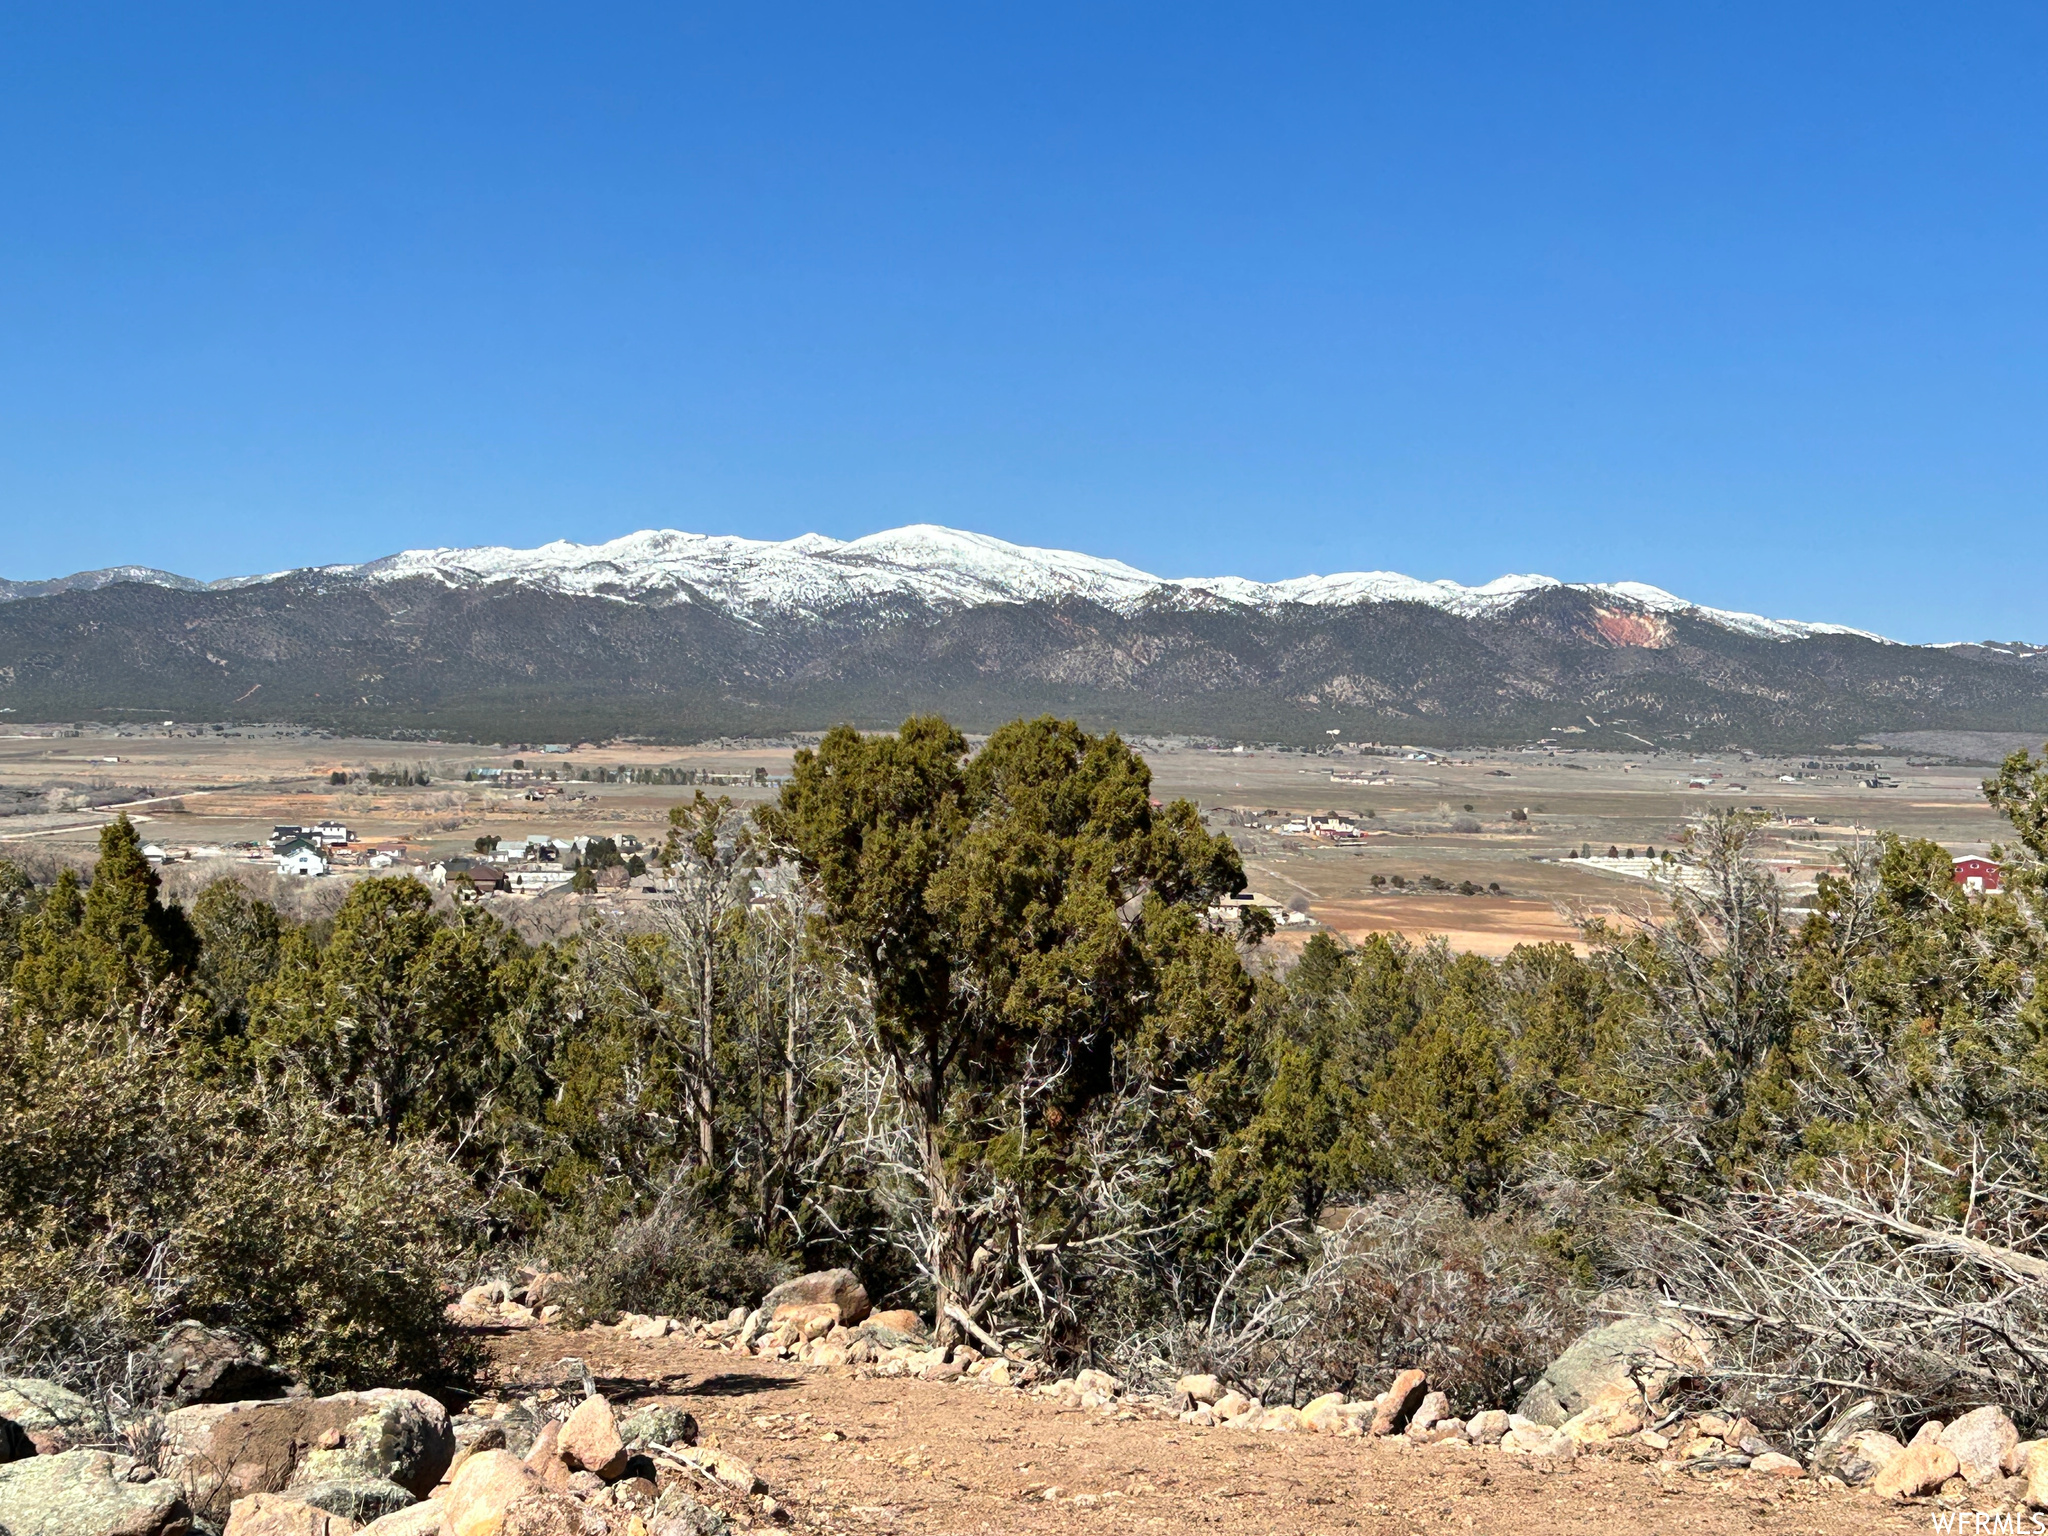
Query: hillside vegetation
[(963, 1022), (508, 662)]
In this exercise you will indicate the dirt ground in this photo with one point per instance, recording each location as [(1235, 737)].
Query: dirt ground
[(847, 1455)]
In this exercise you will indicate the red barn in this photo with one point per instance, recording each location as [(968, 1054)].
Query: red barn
[(1975, 874)]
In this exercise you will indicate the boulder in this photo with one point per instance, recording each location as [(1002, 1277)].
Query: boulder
[(1920, 1468), (1858, 1459), (1280, 1419), (2037, 1476), (1852, 1421), (812, 1319), (1487, 1427), (277, 1514), (1776, 1464), (1433, 1407), (87, 1493), (1616, 1412), (658, 1426), (1980, 1439), (2016, 1458), (1538, 1440), (423, 1519), (553, 1514), (1400, 1402), (1198, 1389), (54, 1418), (1231, 1405), (360, 1500), (590, 1440), (835, 1287), (678, 1512), (900, 1320), (1651, 1350), (198, 1364), (488, 1485), (242, 1448), (1098, 1381), (651, 1328)]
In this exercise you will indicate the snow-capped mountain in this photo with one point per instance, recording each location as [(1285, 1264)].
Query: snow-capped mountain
[(676, 636), (925, 565)]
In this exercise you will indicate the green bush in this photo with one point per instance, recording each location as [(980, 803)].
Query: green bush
[(671, 1259)]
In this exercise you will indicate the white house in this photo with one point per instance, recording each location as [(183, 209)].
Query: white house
[(331, 833), (301, 858)]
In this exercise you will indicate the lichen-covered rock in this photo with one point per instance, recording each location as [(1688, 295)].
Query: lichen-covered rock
[(1980, 1439), (658, 1426), (359, 1500), (261, 1447), (198, 1364), (680, 1513), (54, 1418), (838, 1287), (277, 1514), (1651, 1350), (87, 1493)]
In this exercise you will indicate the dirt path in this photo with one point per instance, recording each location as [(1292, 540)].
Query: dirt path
[(851, 1456)]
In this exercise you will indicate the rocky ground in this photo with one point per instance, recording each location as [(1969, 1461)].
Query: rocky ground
[(847, 1453)]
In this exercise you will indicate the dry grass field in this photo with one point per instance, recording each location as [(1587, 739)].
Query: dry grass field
[(1449, 820)]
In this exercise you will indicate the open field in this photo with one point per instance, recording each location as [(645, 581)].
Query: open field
[(1446, 819)]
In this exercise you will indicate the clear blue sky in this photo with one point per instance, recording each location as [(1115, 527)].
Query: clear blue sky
[(1746, 301)]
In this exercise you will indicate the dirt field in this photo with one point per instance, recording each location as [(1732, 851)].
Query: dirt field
[(847, 1455), (1502, 819)]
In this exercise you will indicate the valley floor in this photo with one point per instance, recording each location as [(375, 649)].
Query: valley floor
[(848, 1456)]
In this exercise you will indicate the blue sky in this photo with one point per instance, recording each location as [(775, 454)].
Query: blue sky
[(1745, 301)]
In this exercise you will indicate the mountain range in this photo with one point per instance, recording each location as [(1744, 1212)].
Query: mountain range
[(680, 636)]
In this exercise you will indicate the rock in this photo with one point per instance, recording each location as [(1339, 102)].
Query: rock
[(276, 1514), (1280, 1419), (1851, 1421), (1652, 1350), (359, 1500), (1921, 1468), (1777, 1465), (1927, 1434), (678, 1512), (1434, 1406), (1098, 1381), (87, 1493), (1198, 1389), (812, 1319), (198, 1364), (2037, 1476), (1616, 1412), (725, 1467), (1980, 1439), (1487, 1427), (1858, 1460), (900, 1320), (1231, 1405), (243, 1448), (1538, 1440), (590, 1441), (553, 1514), (1325, 1414), (1399, 1405), (54, 1418), (2015, 1464), (649, 1328), (838, 1287), (488, 1485), (658, 1426), (545, 1287), (1442, 1429), (423, 1519)]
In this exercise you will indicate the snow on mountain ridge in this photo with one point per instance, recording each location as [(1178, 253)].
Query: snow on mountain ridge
[(927, 565)]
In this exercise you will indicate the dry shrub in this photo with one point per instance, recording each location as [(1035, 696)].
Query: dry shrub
[(1481, 1304), (671, 1259)]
